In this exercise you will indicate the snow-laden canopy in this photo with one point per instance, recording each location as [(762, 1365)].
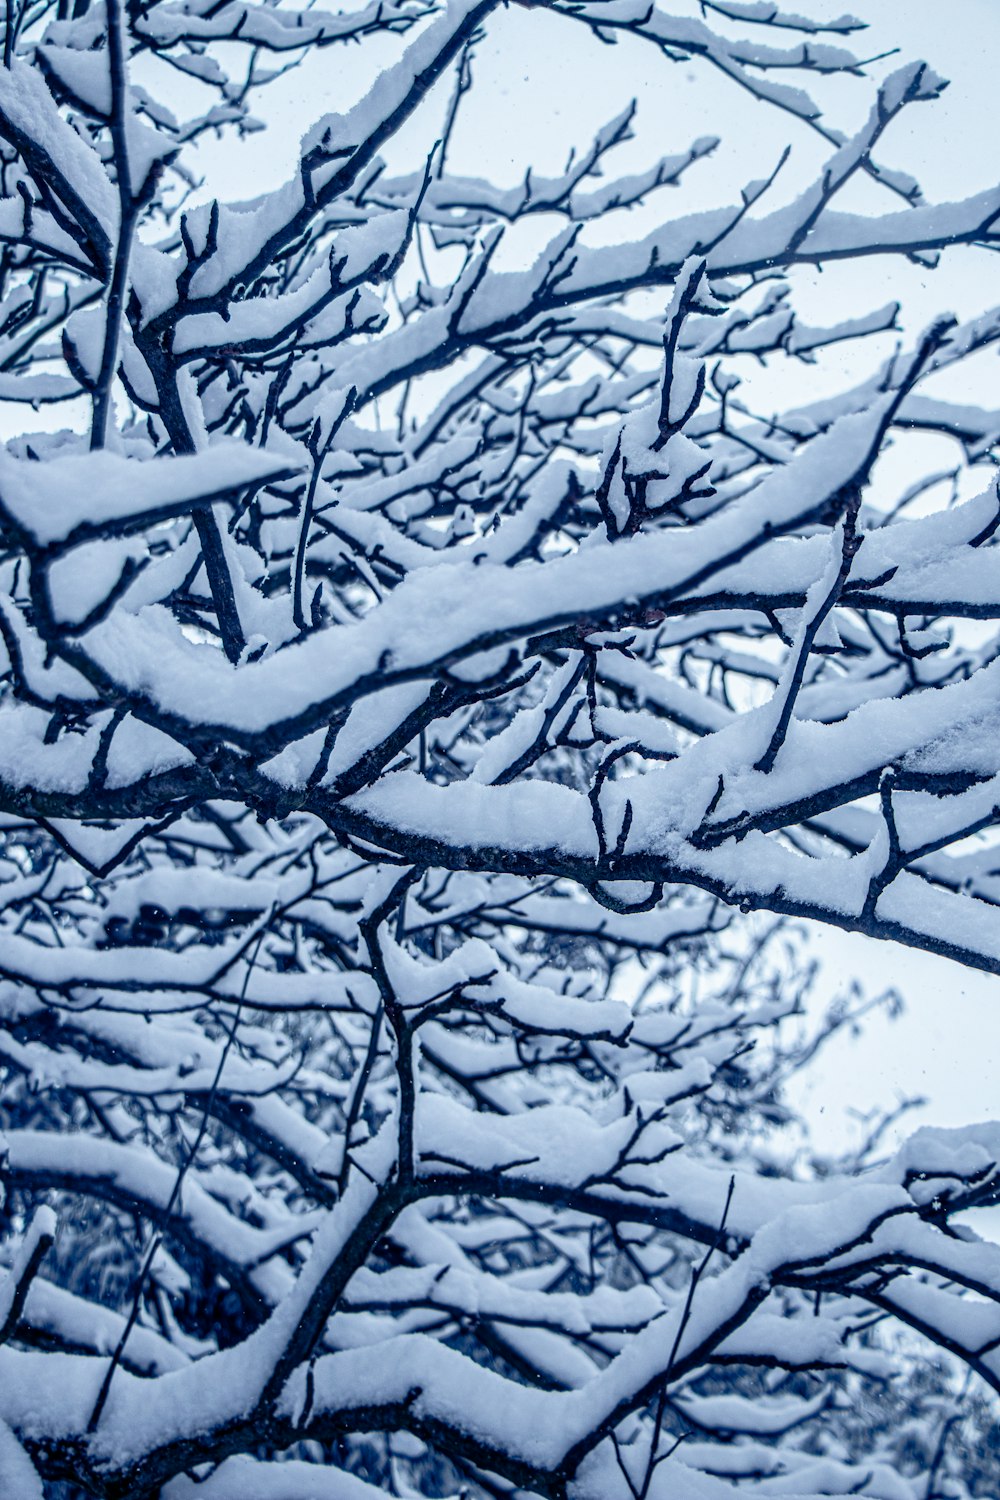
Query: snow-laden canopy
[(412, 659)]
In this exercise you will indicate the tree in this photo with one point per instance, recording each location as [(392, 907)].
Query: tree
[(414, 660)]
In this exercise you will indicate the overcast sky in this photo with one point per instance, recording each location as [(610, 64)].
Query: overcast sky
[(542, 85)]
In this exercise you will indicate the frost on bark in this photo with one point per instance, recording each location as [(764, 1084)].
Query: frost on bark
[(413, 663)]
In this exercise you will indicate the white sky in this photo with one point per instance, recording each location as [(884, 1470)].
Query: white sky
[(543, 84)]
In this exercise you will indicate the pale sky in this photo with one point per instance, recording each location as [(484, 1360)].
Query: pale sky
[(542, 85)]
